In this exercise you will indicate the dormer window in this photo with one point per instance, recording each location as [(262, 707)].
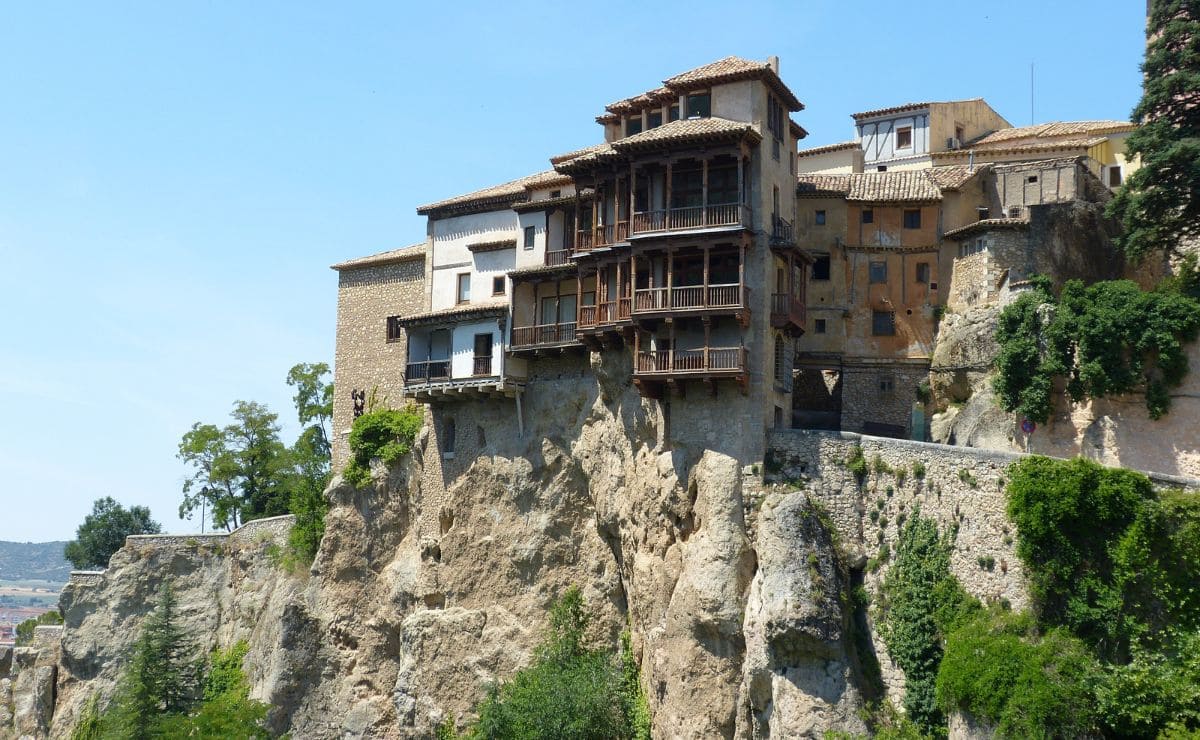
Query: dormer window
[(699, 105), (633, 126), (673, 113), (654, 119)]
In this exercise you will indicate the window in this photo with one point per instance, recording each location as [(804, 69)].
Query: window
[(448, 433), (881, 168), (912, 218), (483, 354), (819, 219), (393, 329), (655, 119), (699, 105), (983, 212), (887, 384), (819, 326), (883, 323), (1031, 179), (923, 272), (673, 113), (868, 216), (820, 268), (781, 368), (529, 233), (555, 193), (960, 133), (498, 285), (633, 125), (975, 246), (1114, 176), (878, 272), (904, 137), (464, 287)]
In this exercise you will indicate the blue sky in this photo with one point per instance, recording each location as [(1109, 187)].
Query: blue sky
[(176, 178)]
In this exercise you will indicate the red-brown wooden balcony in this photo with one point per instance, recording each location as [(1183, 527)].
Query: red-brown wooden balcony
[(430, 371), (787, 311), (705, 361), (557, 257), (601, 236), (543, 336), (693, 217), (691, 298)]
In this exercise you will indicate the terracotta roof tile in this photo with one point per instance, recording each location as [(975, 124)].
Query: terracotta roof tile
[(494, 308), (729, 69), (916, 186), (814, 151), (1056, 129), (524, 272), (492, 246), (823, 186), (954, 176), (501, 195), (416, 251), (686, 131), (1022, 147), (987, 224), (544, 203), (905, 107), (595, 148)]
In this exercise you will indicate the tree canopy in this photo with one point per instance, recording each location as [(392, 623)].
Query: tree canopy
[(103, 532), (1159, 204)]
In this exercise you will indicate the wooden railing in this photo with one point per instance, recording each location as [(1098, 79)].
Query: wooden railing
[(587, 316), (684, 361), (601, 236), (532, 336), (690, 297), (785, 308), (427, 372), (557, 257), (692, 217), (781, 230), (482, 366)]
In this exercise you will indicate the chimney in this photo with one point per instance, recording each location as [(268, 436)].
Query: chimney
[(774, 62)]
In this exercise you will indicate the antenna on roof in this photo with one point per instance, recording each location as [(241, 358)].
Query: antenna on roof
[(1031, 93)]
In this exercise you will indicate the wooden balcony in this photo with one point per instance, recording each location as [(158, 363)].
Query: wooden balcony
[(691, 299), (655, 369), (544, 336), (606, 313), (787, 312), (691, 218), (557, 257), (601, 236), (430, 371)]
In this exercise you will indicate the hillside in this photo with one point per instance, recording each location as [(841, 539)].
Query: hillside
[(42, 561)]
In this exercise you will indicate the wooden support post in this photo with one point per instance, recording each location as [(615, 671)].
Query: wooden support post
[(667, 199), (707, 338), (671, 345), (670, 276), (704, 298), (704, 193)]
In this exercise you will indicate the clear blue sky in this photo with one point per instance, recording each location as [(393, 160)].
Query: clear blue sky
[(176, 178)]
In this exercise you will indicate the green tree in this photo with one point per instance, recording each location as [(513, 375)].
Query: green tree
[(240, 471), (1159, 204), (314, 401), (103, 532), (25, 629), (310, 456), (227, 711)]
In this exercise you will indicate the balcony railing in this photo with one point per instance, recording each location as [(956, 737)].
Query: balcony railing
[(482, 365), (611, 312), (429, 371), (692, 361), (557, 257), (690, 297), (601, 236), (587, 317), (786, 308), (544, 334), (781, 231), (693, 217)]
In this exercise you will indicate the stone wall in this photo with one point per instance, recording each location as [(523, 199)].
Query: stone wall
[(881, 393), (364, 358)]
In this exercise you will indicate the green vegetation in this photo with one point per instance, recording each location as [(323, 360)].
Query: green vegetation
[(103, 532), (384, 434), (570, 691), (25, 629), (1103, 339), (164, 693), (1158, 204), (856, 463), (918, 470), (310, 455)]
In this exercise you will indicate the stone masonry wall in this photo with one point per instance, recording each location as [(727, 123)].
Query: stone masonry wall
[(865, 399), (365, 359)]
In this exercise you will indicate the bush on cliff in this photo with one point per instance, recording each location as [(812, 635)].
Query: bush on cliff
[(103, 532), (384, 434)]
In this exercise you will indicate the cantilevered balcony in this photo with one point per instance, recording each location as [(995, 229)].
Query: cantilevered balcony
[(690, 298), (428, 371), (710, 361), (607, 313), (787, 311), (601, 236), (691, 218), (543, 337)]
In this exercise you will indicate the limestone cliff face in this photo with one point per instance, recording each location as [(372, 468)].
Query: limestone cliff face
[(434, 581)]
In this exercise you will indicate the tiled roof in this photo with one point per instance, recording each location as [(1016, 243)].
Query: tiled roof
[(954, 176), (823, 186), (797, 130), (828, 148), (497, 195), (477, 310), (416, 251), (588, 157), (916, 186), (557, 159), (1022, 147), (987, 224), (543, 204), (905, 107), (686, 132), (492, 246), (566, 267), (1057, 129), (729, 69)]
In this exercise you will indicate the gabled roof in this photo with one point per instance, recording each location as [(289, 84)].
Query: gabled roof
[(904, 107), (494, 197), (458, 313), (954, 176), (840, 146), (985, 225), (674, 134), (914, 186), (1056, 129), (729, 69), (823, 186), (415, 252), (1023, 146)]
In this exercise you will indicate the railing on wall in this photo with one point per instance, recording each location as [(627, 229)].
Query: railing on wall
[(429, 371), (532, 336), (482, 365), (684, 361), (691, 217), (691, 297)]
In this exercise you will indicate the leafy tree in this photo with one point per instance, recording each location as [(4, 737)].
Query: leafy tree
[(1159, 204), (314, 401), (227, 711), (570, 691), (240, 470), (103, 532), (25, 629), (310, 457)]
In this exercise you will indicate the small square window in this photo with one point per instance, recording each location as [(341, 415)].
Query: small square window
[(699, 105), (673, 113), (819, 220), (887, 384), (529, 234), (883, 323), (394, 332), (904, 137), (881, 168), (820, 268), (983, 212), (633, 125), (868, 216), (818, 326), (464, 287), (878, 272), (1114, 176), (923, 272), (912, 218), (1031, 179), (555, 193), (498, 285)]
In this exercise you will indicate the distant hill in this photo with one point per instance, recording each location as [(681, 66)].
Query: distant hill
[(42, 561)]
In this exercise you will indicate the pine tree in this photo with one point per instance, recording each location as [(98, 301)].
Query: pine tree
[(1159, 205)]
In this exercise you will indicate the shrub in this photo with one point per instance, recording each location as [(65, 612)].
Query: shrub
[(857, 464), (918, 469), (384, 434), (1143, 698)]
